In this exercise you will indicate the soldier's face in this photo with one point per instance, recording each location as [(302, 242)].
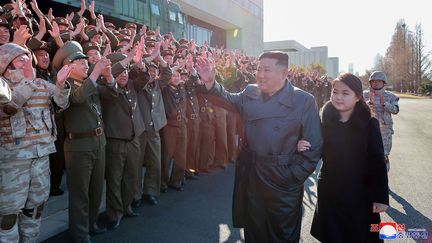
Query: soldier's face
[(270, 76), (79, 72), (4, 35), (97, 38), (377, 84), (93, 56), (343, 98), (20, 61), (168, 59), (122, 78), (153, 72), (184, 78), (63, 27), (43, 59), (175, 79)]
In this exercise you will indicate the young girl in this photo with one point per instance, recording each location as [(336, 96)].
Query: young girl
[(352, 184)]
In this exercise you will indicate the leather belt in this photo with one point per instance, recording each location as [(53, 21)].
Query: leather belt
[(249, 157), (92, 133)]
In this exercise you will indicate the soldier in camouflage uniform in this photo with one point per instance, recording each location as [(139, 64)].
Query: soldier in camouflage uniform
[(27, 138), (383, 105)]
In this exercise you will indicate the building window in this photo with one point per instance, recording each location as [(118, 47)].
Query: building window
[(172, 15), (199, 34), (180, 18), (154, 9)]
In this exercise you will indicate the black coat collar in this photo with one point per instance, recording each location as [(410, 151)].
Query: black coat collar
[(359, 118)]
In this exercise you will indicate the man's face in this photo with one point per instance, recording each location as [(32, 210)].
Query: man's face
[(43, 59), (270, 76), (122, 78), (20, 61), (150, 49), (79, 72), (168, 59), (4, 35), (184, 78), (97, 38), (175, 79), (63, 27), (93, 56), (20, 67), (153, 72), (377, 84)]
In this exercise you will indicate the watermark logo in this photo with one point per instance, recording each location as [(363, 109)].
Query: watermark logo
[(388, 231), (392, 231)]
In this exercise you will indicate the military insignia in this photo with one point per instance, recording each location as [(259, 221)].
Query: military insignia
[(62, 21), (210, 109)]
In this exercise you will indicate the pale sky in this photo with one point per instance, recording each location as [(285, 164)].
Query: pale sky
[(354, 31)]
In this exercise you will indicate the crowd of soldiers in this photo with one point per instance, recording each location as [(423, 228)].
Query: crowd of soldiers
[(114, 104)]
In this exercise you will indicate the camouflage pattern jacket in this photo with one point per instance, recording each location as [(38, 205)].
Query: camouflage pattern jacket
[(383, 104), (31, 132)]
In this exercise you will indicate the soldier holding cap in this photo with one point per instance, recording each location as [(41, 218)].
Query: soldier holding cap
[(28, 136), (384, 104), (84, 139)]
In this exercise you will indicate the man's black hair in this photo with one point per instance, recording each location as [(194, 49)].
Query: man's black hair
[(281, 57)]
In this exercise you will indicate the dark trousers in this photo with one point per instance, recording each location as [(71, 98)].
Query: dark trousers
[(221, 150), (193, 144), (150, 158), (85, 178), (174, 155), (57, 164), (122, 164), (207, 144)]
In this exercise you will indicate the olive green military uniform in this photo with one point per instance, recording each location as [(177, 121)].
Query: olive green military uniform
[(152, 109), (193, 125), (84, 148), (123, 126), (174, 136)]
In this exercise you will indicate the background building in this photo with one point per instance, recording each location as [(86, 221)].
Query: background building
[(234, 24), (302, 56)]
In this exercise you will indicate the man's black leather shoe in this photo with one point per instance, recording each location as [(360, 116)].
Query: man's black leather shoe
[(97, 230), (152, 200), (136, 203), (114, 224)]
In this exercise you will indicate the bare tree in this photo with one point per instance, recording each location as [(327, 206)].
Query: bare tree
[(422, 63), (398, 61)]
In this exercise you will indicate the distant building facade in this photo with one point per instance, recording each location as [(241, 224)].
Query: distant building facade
[(302, 56)]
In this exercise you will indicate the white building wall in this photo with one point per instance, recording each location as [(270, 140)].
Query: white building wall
[(243, 15)]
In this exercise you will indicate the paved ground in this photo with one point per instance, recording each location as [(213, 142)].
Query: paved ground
[(202, 213)]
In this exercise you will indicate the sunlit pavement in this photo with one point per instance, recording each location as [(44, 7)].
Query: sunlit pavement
[(202, 212)]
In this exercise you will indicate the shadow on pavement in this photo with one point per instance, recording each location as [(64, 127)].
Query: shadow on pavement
[(412, 218)]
